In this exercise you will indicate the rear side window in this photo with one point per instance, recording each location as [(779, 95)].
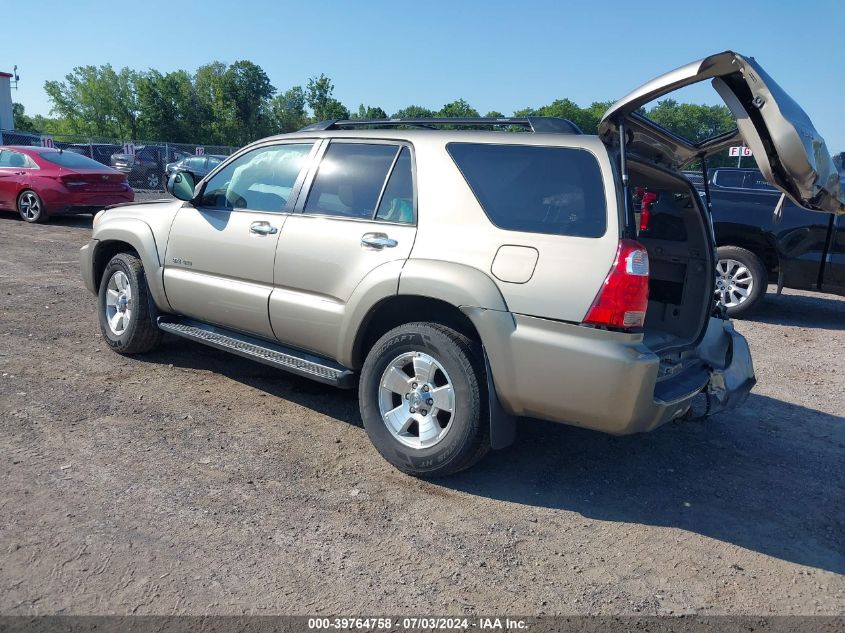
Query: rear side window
[(350, 179), (552, 190), (397, 201)]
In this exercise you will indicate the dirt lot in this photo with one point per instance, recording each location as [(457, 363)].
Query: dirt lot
[(189, 481)]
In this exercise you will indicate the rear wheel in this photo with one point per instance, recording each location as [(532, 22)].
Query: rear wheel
[(423, 402), (741, 280), (30, 207)]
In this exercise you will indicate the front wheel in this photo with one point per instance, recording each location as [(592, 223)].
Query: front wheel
[(423, 400), (741, 280), (124, 307), (30, 207)]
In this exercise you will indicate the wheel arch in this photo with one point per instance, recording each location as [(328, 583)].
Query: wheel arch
[(444, 293), (751, 239), (130, 235)]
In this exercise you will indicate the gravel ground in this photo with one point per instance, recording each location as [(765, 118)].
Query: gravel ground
[(190, 481)]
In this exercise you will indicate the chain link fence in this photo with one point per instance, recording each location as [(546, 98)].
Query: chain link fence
[(144, 162)]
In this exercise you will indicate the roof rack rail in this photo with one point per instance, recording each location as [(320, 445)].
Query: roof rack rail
[(537, 124)]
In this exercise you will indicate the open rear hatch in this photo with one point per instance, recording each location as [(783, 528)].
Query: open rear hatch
[(791, 154)]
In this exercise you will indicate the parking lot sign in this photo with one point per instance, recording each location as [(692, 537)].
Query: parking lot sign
[(47, 141), (740, 151), (200, 151), (129, 148)]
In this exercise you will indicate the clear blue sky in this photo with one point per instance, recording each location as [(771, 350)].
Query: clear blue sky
[(392, 53)]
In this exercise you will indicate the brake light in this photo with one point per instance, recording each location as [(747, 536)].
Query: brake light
[(648, 198), (73, 181), (623, 299)]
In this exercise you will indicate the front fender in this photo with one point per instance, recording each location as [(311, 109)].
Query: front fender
[(139, 235)]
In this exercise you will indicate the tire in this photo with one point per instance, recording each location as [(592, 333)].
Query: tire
[(739, 270), (432, 441), (31, 207), (136, 331)]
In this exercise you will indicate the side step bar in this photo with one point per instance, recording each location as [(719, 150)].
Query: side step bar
[(273, 354)]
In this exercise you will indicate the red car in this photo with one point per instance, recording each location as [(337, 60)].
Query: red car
[(38, 182)]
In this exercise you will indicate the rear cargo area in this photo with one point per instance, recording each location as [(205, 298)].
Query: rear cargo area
[(672, 226)]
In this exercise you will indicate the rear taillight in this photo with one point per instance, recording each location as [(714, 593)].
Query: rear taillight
[(623, 298), (73, 181), (648, 198)]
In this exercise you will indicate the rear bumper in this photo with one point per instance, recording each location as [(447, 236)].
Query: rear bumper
[(606, 381), (82, 202)]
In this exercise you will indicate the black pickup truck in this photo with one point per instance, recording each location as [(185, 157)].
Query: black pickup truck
[(759, 243)]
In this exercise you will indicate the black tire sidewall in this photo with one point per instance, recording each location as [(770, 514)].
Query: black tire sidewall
[(459, 441), (758, 274), (119, 342)]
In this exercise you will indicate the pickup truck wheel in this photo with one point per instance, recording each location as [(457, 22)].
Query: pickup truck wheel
[(124, 307), (741, 280), (422, 399)]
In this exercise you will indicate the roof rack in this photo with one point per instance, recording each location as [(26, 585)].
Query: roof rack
[(537, 124)]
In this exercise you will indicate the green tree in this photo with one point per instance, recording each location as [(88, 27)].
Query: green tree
[(494, 114), (458, 108), (319, 97), (247, 90), (693, 121), (413, 112), (369, 112), (288, 110), (208, 85), (97, 100), (23, 123)]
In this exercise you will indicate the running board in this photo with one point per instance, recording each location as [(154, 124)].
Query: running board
[(273, 354)]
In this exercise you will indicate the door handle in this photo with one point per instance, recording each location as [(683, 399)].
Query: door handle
[(377, 241), (263, 228)]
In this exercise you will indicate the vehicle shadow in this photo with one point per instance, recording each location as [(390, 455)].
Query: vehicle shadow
[(802, 310), (340, 404), (767, 477)]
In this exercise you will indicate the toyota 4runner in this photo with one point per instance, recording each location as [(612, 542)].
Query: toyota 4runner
[(460, 278)]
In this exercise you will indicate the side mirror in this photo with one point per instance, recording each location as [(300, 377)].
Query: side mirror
[(181, 185)]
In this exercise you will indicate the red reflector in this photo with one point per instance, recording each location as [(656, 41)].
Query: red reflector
[(623, 299)]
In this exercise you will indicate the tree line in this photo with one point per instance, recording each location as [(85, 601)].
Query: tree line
[(233, 104)]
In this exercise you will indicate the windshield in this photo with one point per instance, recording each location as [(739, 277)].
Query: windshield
[(69, 159)]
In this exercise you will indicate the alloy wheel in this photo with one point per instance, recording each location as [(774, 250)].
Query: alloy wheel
[(118, 303), (734, 282), (416, 400), (153, 180), (30, 206)]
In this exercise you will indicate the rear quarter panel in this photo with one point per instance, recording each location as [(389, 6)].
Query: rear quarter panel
[(454, 228)]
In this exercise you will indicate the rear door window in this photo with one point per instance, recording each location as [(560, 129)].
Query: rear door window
[(535, 189), (397, 201), (350, 179)]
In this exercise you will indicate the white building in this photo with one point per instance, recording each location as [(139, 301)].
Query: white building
[(7, 121)]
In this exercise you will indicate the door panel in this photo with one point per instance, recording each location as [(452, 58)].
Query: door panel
[(319, 263), (9, 179), (219, 260), (218, 270)]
